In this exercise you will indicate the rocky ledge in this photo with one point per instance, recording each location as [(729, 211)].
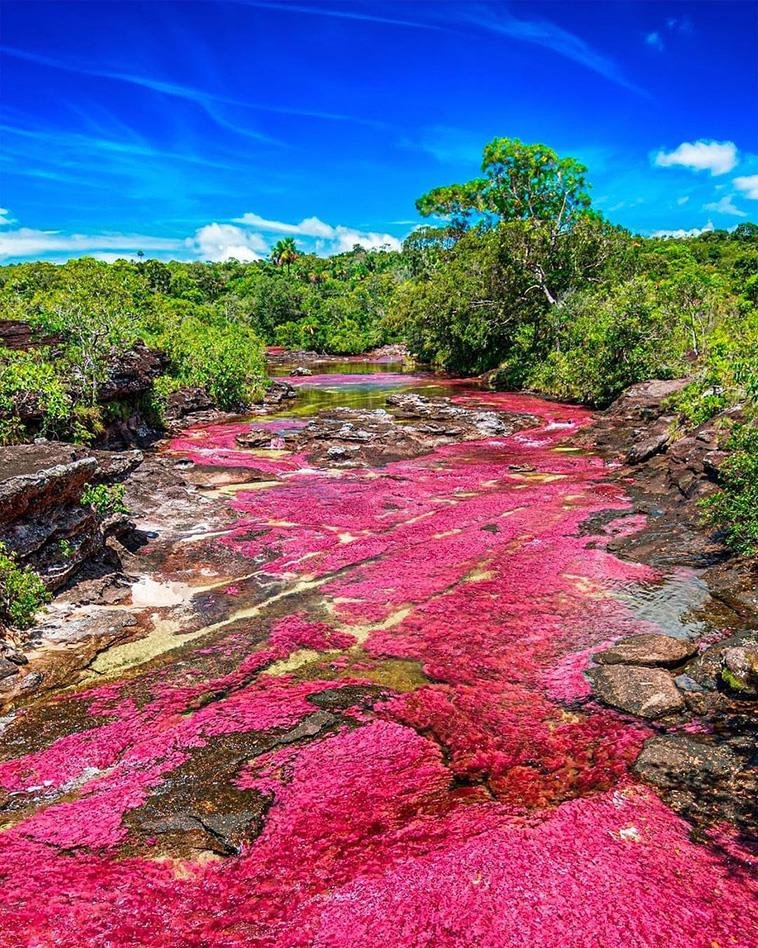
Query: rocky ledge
[(411, 425), (43, 522), (697, 693)]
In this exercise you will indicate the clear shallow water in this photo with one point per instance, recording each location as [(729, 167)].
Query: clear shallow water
[(380, 707)]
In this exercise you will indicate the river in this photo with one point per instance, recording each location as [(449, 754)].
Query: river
[(363, 720)]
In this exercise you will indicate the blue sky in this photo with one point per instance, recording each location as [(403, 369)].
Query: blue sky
[(202, 130)]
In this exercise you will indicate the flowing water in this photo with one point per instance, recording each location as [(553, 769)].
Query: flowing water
[(362, 718)]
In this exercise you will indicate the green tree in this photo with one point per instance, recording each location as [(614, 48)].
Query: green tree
[(284, 253), (530, 184)]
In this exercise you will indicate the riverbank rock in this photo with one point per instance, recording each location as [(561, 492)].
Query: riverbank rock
[(187, 401), (739, 670), (645, 692), (42, 520), (704, 779), (647, 649)]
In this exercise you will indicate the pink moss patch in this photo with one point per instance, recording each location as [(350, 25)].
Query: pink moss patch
[(492, 806)]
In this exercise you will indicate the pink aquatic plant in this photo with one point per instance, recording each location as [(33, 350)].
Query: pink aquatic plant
[(482, 800)]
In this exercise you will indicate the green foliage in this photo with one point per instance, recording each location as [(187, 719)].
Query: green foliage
[(223, 356), (734, 508), (22, 592), (66, 549), (106, 499)]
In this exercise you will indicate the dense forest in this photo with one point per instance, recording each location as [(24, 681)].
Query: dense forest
[(516, 276)]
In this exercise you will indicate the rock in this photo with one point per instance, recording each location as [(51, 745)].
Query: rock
[(377, 436), (648, 447), (7, 669), (701, 779), (255, 438), (132, 373), (647, 649), (301, 370), (17, 334), (187, 401), (278, 392), (42, 519), (38, 476), (739, 670), (707, 667), (668, 759), (645, 692), (685, 683)]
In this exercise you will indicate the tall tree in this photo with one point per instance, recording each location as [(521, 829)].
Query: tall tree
[(530, 185), (284, 253)]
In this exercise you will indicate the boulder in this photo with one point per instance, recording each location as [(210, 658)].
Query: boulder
[(131, 373), (255, 438), (187, 401), (647, 447), (647, 649), (300, 370), (739, 670), (646, 692)]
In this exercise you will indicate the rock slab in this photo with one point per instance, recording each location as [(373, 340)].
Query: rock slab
[(647, 649), (646, 692)]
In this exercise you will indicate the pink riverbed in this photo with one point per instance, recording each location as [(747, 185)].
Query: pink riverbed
[(482, 800)]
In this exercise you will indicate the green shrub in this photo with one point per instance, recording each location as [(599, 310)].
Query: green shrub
[(22, 592), (106, 499), (734, 508)]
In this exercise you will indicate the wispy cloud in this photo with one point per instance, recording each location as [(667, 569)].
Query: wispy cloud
[(702, 155), (725, 206), (340, 14), (549, 35), (200, 97), (654, 40), (28, 242)]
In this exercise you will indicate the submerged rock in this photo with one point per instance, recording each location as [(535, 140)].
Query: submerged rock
[(646, 692), (647, 649)]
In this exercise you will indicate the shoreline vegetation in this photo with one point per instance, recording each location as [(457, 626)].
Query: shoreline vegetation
[(517, 279)]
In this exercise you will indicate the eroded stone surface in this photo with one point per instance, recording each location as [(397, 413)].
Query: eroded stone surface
[(647, 649), (647, 692)]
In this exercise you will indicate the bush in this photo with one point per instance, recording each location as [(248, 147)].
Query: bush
[(22, 592), (734, 508), (106, 499)]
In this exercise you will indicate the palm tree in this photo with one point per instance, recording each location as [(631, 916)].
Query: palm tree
[(284, 253)]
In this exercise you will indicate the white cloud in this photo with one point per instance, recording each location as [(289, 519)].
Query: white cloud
[(681, 233), (5, 217), (328, 238), (702, 155), (219, 242), (725, 206), (654, 40), (748, 184), (308, 227), (683, 199), (28, 242), (214, 241)]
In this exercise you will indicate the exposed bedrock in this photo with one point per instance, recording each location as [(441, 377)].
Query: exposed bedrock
[(411, 425), (42, 519)]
